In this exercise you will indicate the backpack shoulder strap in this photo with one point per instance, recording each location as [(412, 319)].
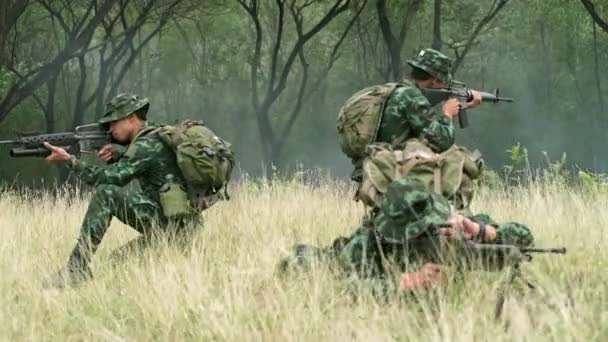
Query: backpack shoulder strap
[(143, 132), (389, 89)]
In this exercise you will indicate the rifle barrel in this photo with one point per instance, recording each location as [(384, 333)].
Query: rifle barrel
[(560, 250), (8, 142), (485, 96), (496, 247)]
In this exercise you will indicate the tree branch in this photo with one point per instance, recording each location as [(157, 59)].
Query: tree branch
[(596, 17), (21, 90), (494, 9), (338, 8), (252, 9), (277, 46)]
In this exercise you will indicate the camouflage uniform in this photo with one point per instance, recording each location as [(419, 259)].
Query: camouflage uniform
[(402, 236), (147, 160), (408, 114)]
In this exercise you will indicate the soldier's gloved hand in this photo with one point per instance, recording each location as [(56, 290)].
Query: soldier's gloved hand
[(58, 154), (475, 99), (105, 152), (427, 277), (451, 108)]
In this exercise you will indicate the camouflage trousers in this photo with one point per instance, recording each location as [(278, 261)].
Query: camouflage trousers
[(134, 209)]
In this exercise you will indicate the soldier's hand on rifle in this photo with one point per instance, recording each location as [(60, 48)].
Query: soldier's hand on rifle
[(475, 99), (460, 225), (57, 155), (105, 152), (451, 108), (428, 276)]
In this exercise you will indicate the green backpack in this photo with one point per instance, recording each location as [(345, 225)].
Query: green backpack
[(359, 119), (450, 174), (205, 160)]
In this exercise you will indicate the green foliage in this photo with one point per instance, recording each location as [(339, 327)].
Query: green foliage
[(556, 166), (556, 171), (593, 183), (519, 168), (490, 178), (518, 155), (588, 182)]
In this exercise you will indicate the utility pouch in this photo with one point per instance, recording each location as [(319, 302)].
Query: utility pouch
[(174, 199)]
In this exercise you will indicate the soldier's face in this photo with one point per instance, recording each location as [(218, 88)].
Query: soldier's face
[(122, 130), (431, 83)]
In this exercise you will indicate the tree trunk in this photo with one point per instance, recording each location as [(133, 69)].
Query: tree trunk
[(265, 94), (393, 45), (598, 82), (437, 43), (547, 64), (49, 113)]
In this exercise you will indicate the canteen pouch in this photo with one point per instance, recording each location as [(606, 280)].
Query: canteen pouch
[(174, 200)]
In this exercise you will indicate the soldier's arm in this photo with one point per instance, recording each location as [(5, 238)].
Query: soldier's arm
[(514, 233), (425, 120), (511, 233), (120, 173), (117, 153)]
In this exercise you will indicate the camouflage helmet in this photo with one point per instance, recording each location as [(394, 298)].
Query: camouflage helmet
[(122, 105), (434, 63), (409, 209)]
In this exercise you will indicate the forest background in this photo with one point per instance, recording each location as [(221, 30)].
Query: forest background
[(270, 75)]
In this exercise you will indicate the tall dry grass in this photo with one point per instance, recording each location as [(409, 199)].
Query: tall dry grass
[(225, 288)]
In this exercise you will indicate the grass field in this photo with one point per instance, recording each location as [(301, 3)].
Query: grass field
[(225, 287)]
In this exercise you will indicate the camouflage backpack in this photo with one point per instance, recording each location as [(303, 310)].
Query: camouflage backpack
[(204, 159), (359, 119), (451, 173)]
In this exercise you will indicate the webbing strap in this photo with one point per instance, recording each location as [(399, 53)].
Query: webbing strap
[(437, 180), (388, 90), (405, 168), (413, 158)]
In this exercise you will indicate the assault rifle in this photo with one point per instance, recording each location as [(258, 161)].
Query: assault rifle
[(511, 257), (87, 137), (458, 90)]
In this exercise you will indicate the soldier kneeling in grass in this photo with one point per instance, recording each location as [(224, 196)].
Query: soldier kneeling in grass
[(180, 169)]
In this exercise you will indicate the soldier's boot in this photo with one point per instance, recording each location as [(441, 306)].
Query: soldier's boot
[(76, 271)]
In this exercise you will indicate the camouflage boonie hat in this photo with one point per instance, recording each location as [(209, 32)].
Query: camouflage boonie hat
[(433, 62), (122, 105), (408, 210)]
